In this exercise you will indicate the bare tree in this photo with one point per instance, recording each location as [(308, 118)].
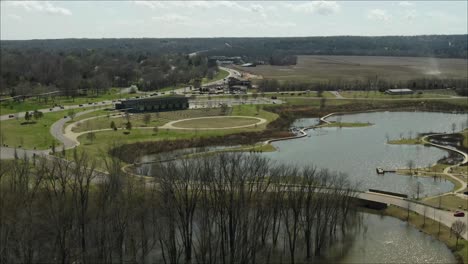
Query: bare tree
[(418, 188), (146, 118), (410, 165), (458, 228)]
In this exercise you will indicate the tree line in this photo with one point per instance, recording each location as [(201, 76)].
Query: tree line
[(93, 72), (273, 85), (229, 208)]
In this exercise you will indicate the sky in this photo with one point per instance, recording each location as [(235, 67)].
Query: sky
[(180, 19)]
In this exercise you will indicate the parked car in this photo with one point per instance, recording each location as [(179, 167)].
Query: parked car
[(61, 107), (459, 214), (51, 109), (65, 116), (80, 105), (274, 97), (11, 116)]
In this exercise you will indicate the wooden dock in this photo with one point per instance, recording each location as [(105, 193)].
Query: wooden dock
[(383, 171)]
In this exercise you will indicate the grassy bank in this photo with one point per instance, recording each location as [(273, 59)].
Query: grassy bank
[(405, 141), (431, 227), (449, 202), (426, 173)]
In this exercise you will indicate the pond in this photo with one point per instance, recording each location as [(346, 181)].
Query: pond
[(359, 151)]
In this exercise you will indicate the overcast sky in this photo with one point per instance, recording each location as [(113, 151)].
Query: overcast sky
[(161, 19)]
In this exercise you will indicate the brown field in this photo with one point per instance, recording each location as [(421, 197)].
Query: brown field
[(323, 68)]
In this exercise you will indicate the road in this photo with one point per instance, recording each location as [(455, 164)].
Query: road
[(232, 73)]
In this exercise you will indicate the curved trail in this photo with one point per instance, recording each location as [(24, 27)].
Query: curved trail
[(447, 169), (170, 125)]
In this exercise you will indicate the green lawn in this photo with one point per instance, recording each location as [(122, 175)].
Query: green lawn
[(449, 201), (216, 122), (105, 140), (310, 101), (377, 94), (465, 138), (221, 74), (156, 119), (30, 135), (405, 141)]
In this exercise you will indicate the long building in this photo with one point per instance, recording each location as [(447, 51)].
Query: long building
[(399, 91), (154, 104)]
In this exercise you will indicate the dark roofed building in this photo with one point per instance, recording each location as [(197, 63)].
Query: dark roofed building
[(154, 104), (232, 81), (399, 91)]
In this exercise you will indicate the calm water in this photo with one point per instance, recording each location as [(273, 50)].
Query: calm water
[(384, 239), (359, 151)]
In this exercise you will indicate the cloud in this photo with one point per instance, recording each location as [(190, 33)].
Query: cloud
[(171, 19), (378, 14), (149, 4), (405, 3), (410, 14), (319, 7), (41, 6)]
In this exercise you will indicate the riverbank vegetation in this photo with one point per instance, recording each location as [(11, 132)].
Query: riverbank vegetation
[(405, 141), (253, 210)]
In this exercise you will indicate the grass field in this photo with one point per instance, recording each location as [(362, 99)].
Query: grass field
[(465, 138), (157, 119), (221, 74), (323, 68), (448, 201), (216, 122), (107, 139), (405, 141), (377, 94), (30, 135)]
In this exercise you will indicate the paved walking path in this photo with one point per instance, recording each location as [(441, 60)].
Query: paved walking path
[(463, 184), (170, 125)]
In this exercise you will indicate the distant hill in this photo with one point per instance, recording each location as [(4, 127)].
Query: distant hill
[(448, 46)]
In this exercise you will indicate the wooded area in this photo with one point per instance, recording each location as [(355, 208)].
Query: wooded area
[(229, 208), (70, 65), (93, 71)]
